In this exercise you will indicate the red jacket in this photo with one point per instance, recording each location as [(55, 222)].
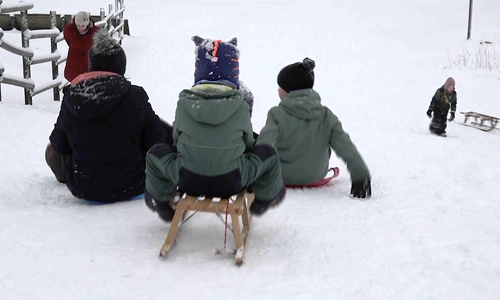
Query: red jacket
[(79, 45)]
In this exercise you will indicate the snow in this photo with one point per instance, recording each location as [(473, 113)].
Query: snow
[(42, 33), (41, 58), (39, 88), (8, 7), (430, 230), (13, 48)]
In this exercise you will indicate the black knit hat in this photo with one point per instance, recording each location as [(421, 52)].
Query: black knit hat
[(106, 54), (297, 76)]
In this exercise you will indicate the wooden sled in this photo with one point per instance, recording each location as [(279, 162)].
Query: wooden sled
[(319, 183), (481, 121), (235, 209)]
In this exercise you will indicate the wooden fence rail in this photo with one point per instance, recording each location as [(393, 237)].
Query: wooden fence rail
[(114, 22)]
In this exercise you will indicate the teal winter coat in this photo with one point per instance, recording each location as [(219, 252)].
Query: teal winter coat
[(302, 130), (212, 129)]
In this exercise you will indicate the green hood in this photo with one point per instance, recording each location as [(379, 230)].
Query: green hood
[(210, 106), (304, 104)]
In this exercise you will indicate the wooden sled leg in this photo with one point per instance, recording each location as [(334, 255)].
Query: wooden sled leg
[(246, 218), (179, 215), (238, 240)]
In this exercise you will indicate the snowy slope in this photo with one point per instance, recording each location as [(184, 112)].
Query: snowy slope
[(430, 230)]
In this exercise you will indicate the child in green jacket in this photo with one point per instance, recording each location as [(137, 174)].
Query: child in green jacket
[(302, 130), (213, 151)]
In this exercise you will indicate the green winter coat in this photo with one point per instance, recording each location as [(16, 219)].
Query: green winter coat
[(212, 129), (442, 102), (302, 129)]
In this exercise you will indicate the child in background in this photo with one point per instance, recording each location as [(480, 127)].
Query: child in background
[(78, 35), (213, 151), (302, 131), (444, 99)]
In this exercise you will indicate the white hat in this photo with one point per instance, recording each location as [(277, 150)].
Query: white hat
[(82, 18)]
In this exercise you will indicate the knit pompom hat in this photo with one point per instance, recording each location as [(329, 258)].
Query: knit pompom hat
[(297, 76)]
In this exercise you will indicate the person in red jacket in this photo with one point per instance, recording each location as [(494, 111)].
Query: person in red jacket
[(78, 34)]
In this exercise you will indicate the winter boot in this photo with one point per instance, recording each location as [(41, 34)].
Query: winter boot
[(164, 210), (48, 156), (259, 207)]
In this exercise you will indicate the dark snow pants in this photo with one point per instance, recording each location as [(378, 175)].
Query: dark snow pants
[(439, 123), (259, 168), (58, 163)]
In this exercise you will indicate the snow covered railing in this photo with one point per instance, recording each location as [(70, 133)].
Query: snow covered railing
[(117, 15), (21, 6), (113, 22), (29, 58)]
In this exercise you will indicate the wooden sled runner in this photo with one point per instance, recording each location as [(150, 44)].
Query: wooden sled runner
[(234, 209), (481, 121)]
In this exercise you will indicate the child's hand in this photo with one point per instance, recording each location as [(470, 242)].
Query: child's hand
[(361, 189), (429, 113), (452, 117)]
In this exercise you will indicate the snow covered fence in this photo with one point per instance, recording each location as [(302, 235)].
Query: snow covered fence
[(29, 58), (113, 22), (117, 15)]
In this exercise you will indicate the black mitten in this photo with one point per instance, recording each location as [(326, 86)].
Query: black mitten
[(452, 116), (361, 189), (429, 113)]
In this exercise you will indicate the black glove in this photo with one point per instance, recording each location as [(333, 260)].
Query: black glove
[(452, 116), (429, 113), (361, 189)]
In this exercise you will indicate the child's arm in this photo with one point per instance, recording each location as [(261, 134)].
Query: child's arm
[(175, 127), (269, 134), (453, 107), (434, 101), (58, 138), (248, 131), (454, 103), (247, 96), (344, 148), (66, 34)]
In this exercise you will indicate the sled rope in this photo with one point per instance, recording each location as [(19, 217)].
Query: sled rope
[(222, 220), (189, 217), (225, 228)]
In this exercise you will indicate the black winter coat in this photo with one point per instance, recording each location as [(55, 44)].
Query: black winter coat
[(107, 125)]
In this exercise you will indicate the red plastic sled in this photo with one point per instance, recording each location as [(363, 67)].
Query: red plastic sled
[(319, 183)]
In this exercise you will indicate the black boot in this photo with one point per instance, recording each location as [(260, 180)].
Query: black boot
[(259, 207), (164, 210)]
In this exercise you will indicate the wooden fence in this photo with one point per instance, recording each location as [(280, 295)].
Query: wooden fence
[(114, 22)]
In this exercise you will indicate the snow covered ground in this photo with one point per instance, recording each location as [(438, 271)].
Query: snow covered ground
[(430, 230)]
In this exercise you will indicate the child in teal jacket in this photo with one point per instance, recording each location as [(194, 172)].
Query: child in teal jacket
[(302, 130), (213, 152)]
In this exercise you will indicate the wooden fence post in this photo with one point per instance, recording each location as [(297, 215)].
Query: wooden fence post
[(110, 12), (26, 65), (53, 49), (470, 20), (118, 7), (102, 14)]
